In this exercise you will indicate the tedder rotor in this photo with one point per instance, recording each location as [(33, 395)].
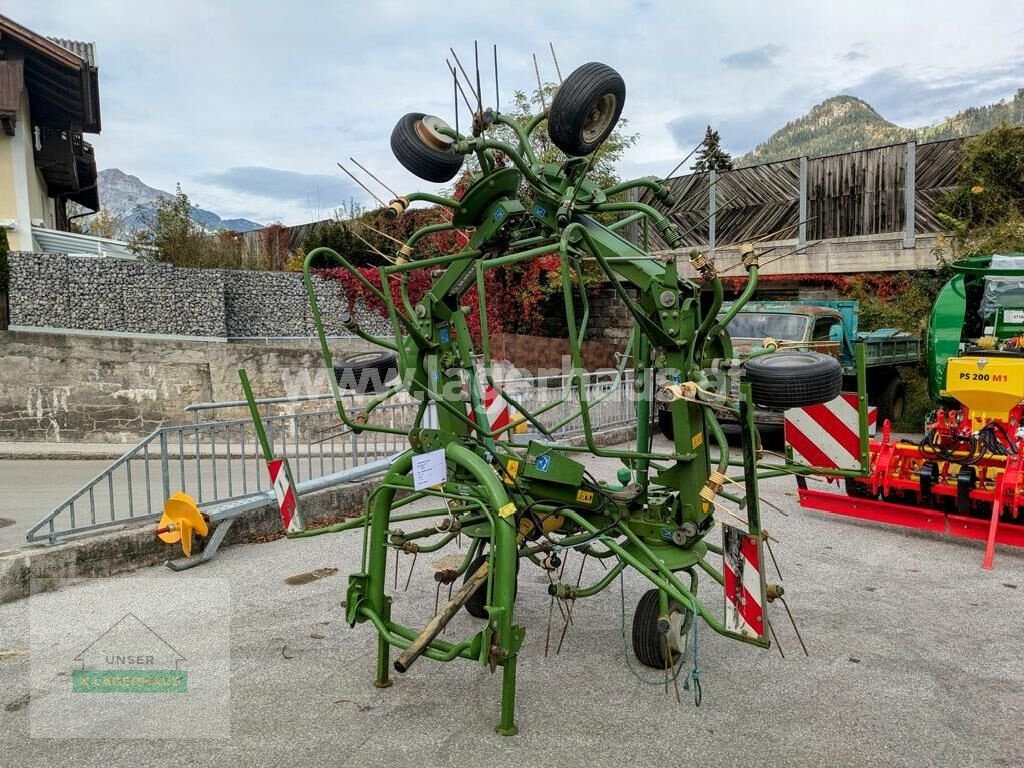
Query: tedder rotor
[(530, 502)]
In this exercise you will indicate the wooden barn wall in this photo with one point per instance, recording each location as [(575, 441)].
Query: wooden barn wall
[(857, 193), (936, 174), (756, 200), (850, 194)]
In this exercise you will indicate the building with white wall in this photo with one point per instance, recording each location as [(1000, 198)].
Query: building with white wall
[(49, 99)]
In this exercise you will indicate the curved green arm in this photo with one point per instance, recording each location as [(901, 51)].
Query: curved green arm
[(719, 437), (426, 197), (524, 137), (718, 296), (625, 220), (325, 348), (659, 190), (574, 345), (734, 309), (429, 229), (510, 152), (662, 223)]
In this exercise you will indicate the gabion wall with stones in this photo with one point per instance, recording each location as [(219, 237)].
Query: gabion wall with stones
[(122, 296)]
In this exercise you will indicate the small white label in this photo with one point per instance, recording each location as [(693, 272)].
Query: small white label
[(428, 469), (1013, 315)]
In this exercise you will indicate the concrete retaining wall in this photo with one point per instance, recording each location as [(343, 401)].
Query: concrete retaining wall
[(74, 387)]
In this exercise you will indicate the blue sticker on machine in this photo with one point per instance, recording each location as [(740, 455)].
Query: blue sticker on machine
[(539, 211), (445, 336), (499, 214), (543, 463)]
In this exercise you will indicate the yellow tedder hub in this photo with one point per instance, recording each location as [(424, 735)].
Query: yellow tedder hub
[(181, 519), (990, 387)]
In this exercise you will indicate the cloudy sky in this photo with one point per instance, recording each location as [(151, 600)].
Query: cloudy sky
[(249, 103)]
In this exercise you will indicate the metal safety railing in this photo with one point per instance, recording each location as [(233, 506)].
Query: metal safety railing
[(220, 460)]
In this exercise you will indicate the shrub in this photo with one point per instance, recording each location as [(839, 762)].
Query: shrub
[(177, 238)]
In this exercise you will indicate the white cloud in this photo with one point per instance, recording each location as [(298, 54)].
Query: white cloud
[(192, 91)]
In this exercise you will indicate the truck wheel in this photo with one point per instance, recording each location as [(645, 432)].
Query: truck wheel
[(891, 400), (793, 379), (649, 642), (665, 424), (366, 372), (586, 108), (423, 151)]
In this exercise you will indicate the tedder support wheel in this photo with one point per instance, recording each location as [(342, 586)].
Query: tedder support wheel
[(367, 372), (475, 606), (891, 400), (649, 640), (665, 424), (477, 603), (793, 379), (586, 108), (423, 151)]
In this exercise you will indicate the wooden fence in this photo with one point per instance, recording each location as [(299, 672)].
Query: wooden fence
[(846, 195)]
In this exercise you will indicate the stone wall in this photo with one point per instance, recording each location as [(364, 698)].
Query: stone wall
[(123, 296), (75, 387)]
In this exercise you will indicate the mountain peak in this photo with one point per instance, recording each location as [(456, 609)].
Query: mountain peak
[(841, 107), (838, 124), (846, 123), (133, 202)]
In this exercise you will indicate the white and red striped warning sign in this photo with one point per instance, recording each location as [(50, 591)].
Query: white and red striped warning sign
[(498, 413), (828, 435), (280, 477), (744, 582)]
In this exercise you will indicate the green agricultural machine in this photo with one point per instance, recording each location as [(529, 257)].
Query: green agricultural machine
[(532, 503)]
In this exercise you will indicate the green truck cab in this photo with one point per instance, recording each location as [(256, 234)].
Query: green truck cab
[(829, 327)]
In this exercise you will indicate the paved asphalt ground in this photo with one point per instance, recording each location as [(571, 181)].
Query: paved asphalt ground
[(915, 661), (30, 488)]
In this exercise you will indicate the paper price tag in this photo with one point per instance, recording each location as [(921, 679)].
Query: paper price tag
[(429, 469)]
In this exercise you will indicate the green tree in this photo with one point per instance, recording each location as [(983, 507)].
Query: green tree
[(106, 224), (711, 156), (985, 214), (174, 236)]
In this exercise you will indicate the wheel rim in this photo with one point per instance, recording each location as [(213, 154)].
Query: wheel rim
[(427, 129), (600, 118), (678, 630)]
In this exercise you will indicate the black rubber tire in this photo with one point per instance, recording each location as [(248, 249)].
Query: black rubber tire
[(857, 489), (366, 373), (477, 603), (576, 99), (793, 379), (891, 400), (648, 642), (665, 424), (418, 158)]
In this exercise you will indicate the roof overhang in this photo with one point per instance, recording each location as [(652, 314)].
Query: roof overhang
[(63, 85)]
